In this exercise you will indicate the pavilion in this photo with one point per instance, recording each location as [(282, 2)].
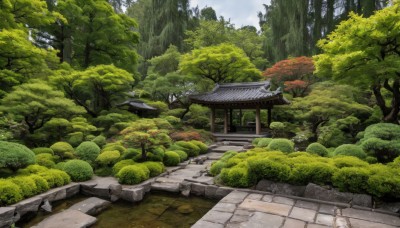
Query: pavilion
[(247, 95)]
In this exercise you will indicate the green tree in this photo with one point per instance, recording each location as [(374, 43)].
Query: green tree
[(220, 64), (97, 88), (365, 52), (208, 14), (37, 103)]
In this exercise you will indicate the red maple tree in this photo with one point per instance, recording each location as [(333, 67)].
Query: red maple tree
[(295, 74)]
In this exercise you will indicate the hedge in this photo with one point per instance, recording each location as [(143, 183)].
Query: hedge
[(171, 158), (317, 148), (350, 150), (15, 156), (78, 170), (284, 145), (131, 174), (88, 151)]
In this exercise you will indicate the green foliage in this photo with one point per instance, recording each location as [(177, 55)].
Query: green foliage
[(236, 177), (131, 174), (43, 150), (384, 184), (100, 140), (130, 153), (75, 138), (316, 172), (263, 142), (191, 149), (26, 184), (217, 167), (277, 128), (317, 148), (32, 169), (45, 160), (348, 161), (268, 169), (155, 168), (15, 156), (121, 164), (10, 193), (351, 179), (350, 150), (88, 151), (182, 155), (283, 145), (114, 146), (61, 148), (108, 158), (78, 170), (41, 183), (203, 147), (171, 158), (55, 178)]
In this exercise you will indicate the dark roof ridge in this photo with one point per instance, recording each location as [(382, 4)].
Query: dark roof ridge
[(243, 84)]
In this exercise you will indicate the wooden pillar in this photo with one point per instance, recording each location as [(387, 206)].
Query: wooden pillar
[(258, 121), (269, 116), (230, 119), (225, 121), (212, 120), (240, 117)]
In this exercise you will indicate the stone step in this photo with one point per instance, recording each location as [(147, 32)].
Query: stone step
[(165, 186), (91, 206), (223, 149), (67, 219)]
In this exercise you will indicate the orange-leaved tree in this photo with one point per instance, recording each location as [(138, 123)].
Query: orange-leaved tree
[(294, 74)]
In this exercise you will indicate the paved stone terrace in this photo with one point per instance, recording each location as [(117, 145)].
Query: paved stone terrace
[(253, 210)]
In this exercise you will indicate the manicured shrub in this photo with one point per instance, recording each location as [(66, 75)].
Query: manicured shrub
[(171, 158), (185, 136), (351, 179), (350, 150), (263, 142), (60, 165), (228, 154), (100, 140), (75, 138), (55, 178), (132, 153), (348, 161), (384, 185), (316, 172), (203, 147), (88, 151), (26, 184), (10, 193), (255, 141), (131, 174), (284, 145), (317, 148), (236, 177), (182, 155), (155, 168), (108, 158), (191, 149), (156, 154), (60, 148), (233, 161), (41, 183), (174, 121), (269, 170), (121, 164), (104, 171), (43, 150), (114, 146), (371, 160), (15, 156), (301, 154), (45, 160), (78, 170), (216, 167), (32, 169)]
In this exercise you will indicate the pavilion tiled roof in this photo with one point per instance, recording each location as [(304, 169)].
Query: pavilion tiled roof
[(137, 104), (236, 93)]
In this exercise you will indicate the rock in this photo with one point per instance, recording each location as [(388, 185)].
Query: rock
[(280, 188), (72, 189), (47, 206), (28, 205), (197, 189), (222, 192), (185, 209), (185, 187), (317, 192), (6, 216), (91, 206), (132, 194), (166, 186), (54, 194), (115, 192), (393, 207), (210, 191), (146, 185), (363, 200), (67, 219)]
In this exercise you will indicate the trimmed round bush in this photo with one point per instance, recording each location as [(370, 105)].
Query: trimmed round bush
[(75, 138), (371, 160), (55, 178), (351, 179), (41, 183), (131, 174), (384, 185), (316, 172), (191, 149), (26, 184), (104, 171), (88, 151), (182, 155), (100, 140), (255, 141), (348, 161), (155, 168), (108, 158), (269, 170), (15, 156), (60, 148), (121, 164), (171, 158), (317, 148), (114, 146), (263, 142), (10, 193), (60, 165), (216, 167), (350, 150), (78, 170), (284, 145), (156, 154), (131, 153), (203, 147), (43, 150), (32, 169), (45, 160), (236, 177)]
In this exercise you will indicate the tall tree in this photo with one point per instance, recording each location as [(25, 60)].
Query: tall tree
[(366, 52)]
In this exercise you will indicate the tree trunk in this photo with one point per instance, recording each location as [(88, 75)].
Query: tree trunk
[(144, 156)]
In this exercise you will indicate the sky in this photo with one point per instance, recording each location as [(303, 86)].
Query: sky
[(241, 12)]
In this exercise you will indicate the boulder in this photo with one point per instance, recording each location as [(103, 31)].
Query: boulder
[(91, 206), (115, 192), (198, 189), (54, 194), (185, 188), (210, 191), (332, 195), (362, 200), (6, 216), (222, 192), (132, 194), (280, 188), (67, 219), (393, 207), (28, 205), (72, 189)]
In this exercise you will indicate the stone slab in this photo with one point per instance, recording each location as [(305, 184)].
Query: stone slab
[(67, 219), (91, 206), (54, 194), (341, 222), (255, 196), (273, 208), (327, 209), (72, 189), (167, 186), (324, 219), (217, 217), (28, 205), (307, 205), (280, 188), (283, 200), (6, 216), (294, 223), (132, 194), (235, 197), (314, 191), (357, 223), (206, 224), (198, 189), (263, 220), (225, 207), (371, 216), (303, 214)]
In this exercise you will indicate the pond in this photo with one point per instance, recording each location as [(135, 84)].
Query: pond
[(157, 209)]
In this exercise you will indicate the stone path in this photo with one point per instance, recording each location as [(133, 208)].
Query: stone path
[(253, 210)]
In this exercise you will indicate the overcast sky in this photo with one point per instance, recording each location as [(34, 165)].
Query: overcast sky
[(241, 12)]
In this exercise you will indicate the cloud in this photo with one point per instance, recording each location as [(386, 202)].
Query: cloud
[(240, 12)]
